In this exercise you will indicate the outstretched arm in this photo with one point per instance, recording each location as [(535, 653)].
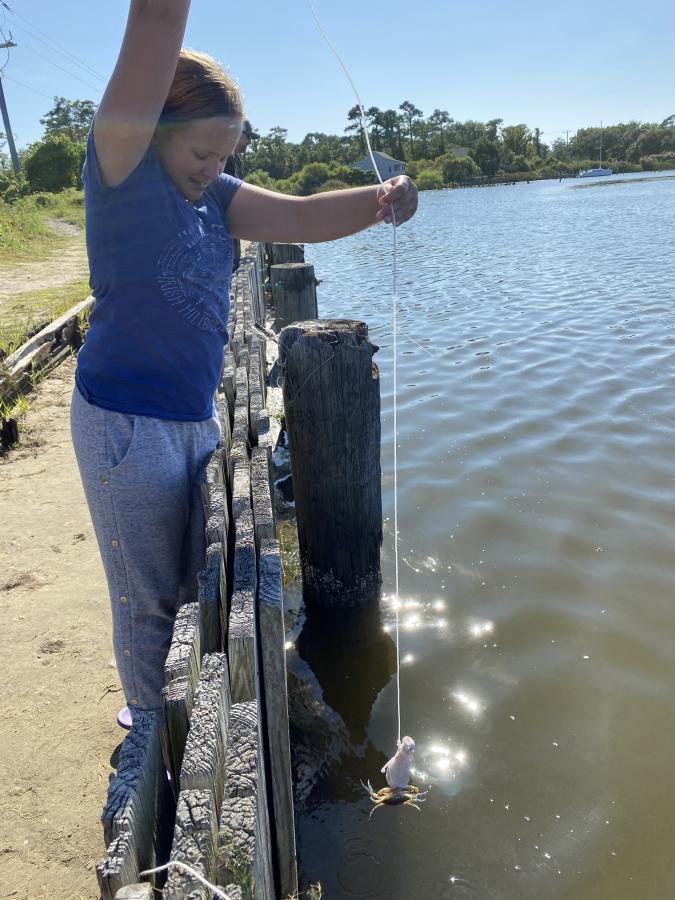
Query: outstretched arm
[(259, 215), (129, 111)]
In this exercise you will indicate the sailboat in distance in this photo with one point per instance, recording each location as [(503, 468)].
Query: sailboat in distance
[(596, 173)]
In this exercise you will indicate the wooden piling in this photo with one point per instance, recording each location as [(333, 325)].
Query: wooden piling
[(284, 253), (332, 406), (293, 293)]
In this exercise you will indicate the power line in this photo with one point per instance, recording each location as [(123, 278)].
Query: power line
[(27, 86), (55, 46), (57, 66)]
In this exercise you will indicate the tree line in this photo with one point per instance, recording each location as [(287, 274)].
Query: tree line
[(437, 149)]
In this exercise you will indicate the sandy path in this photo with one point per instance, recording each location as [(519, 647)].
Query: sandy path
[(66, 264), (61, 693)]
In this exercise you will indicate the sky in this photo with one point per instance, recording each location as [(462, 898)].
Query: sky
[(558, 67)]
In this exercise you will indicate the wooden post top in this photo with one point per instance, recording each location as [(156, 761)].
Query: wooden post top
[(335, 330)]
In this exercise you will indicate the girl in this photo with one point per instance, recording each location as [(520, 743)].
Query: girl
[(160, 220)]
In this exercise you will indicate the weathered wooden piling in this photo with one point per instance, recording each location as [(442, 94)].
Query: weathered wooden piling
[(293, 293), (284, 253), (332, 406)]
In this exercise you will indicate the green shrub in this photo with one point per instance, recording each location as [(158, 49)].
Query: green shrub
[(429, 180), (260, 179), (333, 184), (458, 168), (55, 164)]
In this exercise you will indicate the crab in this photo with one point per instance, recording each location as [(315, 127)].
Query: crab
[(398, 771), (388, 796)]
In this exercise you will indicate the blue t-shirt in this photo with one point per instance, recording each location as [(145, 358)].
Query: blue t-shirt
[(160, 272)]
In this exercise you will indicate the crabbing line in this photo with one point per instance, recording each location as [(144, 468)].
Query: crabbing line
[(395, 364)]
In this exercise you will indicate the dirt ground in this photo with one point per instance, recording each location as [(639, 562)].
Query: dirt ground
[(61, 692), (68, 263)]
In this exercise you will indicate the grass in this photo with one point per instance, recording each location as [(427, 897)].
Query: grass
[(24, 229), (28, 312)]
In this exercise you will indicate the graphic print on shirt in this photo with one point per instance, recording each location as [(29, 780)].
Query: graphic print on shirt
[(194, 277)]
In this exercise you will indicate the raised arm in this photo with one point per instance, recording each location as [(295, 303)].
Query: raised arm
[(260, 215), (129, 111)]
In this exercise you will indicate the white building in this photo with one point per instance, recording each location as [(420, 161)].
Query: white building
[(387, 166)]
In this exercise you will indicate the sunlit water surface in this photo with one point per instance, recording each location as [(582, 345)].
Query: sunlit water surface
[(536, 401)]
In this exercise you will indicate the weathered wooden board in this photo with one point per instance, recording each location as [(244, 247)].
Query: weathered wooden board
[(185, 653), (241, 487), (227, 381), (225, 411), (263, 514), (217, 518), (208, 597), (194, 843), (243, 833), (54, 334), (274, 703), (130, 814), (204, 758), (177, 699), (241, 631)]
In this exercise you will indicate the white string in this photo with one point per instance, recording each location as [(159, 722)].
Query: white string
[(395, 362), (217, 892)]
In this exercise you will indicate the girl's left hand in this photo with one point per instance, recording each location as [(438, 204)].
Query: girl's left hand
[(398, 196)]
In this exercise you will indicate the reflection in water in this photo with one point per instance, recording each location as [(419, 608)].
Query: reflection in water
[(352, 659)]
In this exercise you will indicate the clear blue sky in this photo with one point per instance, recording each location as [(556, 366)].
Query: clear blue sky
[(553, 66)]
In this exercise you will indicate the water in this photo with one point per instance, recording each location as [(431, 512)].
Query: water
[(537, 522)]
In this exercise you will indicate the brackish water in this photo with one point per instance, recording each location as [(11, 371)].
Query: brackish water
[(537, 522)]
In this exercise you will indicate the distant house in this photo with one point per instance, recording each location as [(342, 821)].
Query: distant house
[(459, 151), (387, 166)]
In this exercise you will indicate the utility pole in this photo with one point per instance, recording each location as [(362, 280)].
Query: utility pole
[(5, 117)]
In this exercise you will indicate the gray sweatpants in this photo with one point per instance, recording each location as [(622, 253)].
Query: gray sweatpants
[(140, 480)]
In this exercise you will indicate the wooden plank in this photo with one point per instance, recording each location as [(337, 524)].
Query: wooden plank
[(240, 429), (194, 843), (130, 815), (273, 697), (242, 385), (177, 700), (227, 381), (241, 631), (225, 413), (118, 867), (204, 759), (243, 833), (263, 514), (185, 653), (54, 333), (255, 408), (218, 519), (263, 431), (208, 597), (238, 453), (241, 487), (256, 365)]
